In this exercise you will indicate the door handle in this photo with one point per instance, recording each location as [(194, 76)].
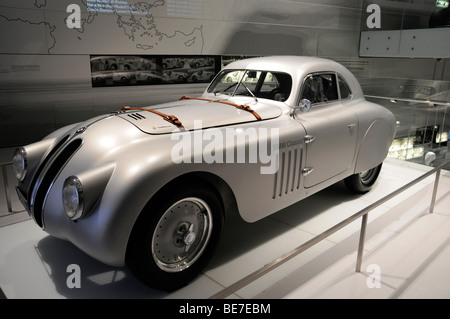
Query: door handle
[(307, 170), (309, 139), (351, 125)]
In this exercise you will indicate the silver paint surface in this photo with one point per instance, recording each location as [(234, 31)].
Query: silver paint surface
[(133, 157)]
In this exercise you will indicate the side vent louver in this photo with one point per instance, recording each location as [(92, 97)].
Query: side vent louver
[(287, 179)]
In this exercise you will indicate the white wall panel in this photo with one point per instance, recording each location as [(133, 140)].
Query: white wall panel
[(416, 43)]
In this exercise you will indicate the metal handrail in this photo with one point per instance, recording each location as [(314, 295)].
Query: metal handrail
[(6, 185), (362, 213), (401, 99)]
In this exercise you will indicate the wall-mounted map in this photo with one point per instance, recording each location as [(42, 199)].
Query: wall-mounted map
[(40, 26)]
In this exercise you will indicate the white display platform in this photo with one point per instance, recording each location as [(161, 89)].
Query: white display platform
[(410, 247)]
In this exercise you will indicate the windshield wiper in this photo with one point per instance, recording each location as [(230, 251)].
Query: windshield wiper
[(241, 81), (229, 87), (250, 91)]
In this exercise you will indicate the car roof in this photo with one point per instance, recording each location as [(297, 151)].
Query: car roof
[(286, 63), (298, 67)]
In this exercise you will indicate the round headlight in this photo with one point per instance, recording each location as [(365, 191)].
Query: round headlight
[(73, 199), (19, 163)]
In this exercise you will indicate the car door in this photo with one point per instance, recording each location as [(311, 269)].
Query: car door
[(331, 128)]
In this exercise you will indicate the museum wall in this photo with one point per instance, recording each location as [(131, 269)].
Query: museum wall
[(45, 71)]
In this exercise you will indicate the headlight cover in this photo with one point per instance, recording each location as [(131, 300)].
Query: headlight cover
[(73, 198), (20, 163)]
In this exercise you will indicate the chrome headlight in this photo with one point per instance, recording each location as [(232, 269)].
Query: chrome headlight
[(73, 198), (20, 163), (81, 193)]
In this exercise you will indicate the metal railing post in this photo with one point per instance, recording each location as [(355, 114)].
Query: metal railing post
[(6, 185), (362, 237), (296, 251), (433, 197)]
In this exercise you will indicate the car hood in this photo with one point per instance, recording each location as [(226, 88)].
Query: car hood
[(195, 114)]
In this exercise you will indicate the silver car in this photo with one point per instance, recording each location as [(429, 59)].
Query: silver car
[(150, 187)]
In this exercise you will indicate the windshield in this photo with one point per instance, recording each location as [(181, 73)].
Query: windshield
[(259, 84)]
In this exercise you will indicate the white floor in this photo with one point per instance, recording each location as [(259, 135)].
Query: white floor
[(407, 250)]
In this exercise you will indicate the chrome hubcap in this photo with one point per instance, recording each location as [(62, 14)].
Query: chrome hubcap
[(189, 239), (182, 234)]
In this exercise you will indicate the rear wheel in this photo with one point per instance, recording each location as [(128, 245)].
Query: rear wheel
[(362, 182), (175, 237)]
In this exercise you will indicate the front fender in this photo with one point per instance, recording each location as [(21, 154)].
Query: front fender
[(139, 170)]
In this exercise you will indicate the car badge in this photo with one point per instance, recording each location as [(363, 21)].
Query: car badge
[(81, 130)]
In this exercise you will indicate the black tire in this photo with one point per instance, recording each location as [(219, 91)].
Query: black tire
[(175, 237), (362, 182)]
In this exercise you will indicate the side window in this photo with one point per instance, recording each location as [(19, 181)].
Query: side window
[(270, 83), (344, 89), (276, 86), (319, 88)]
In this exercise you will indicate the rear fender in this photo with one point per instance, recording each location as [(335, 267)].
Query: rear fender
[(374, 146)]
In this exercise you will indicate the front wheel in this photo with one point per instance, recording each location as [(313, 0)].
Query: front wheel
[(173, 240), (362, 182)]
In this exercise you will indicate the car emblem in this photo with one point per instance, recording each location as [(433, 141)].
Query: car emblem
[(81, 130)]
